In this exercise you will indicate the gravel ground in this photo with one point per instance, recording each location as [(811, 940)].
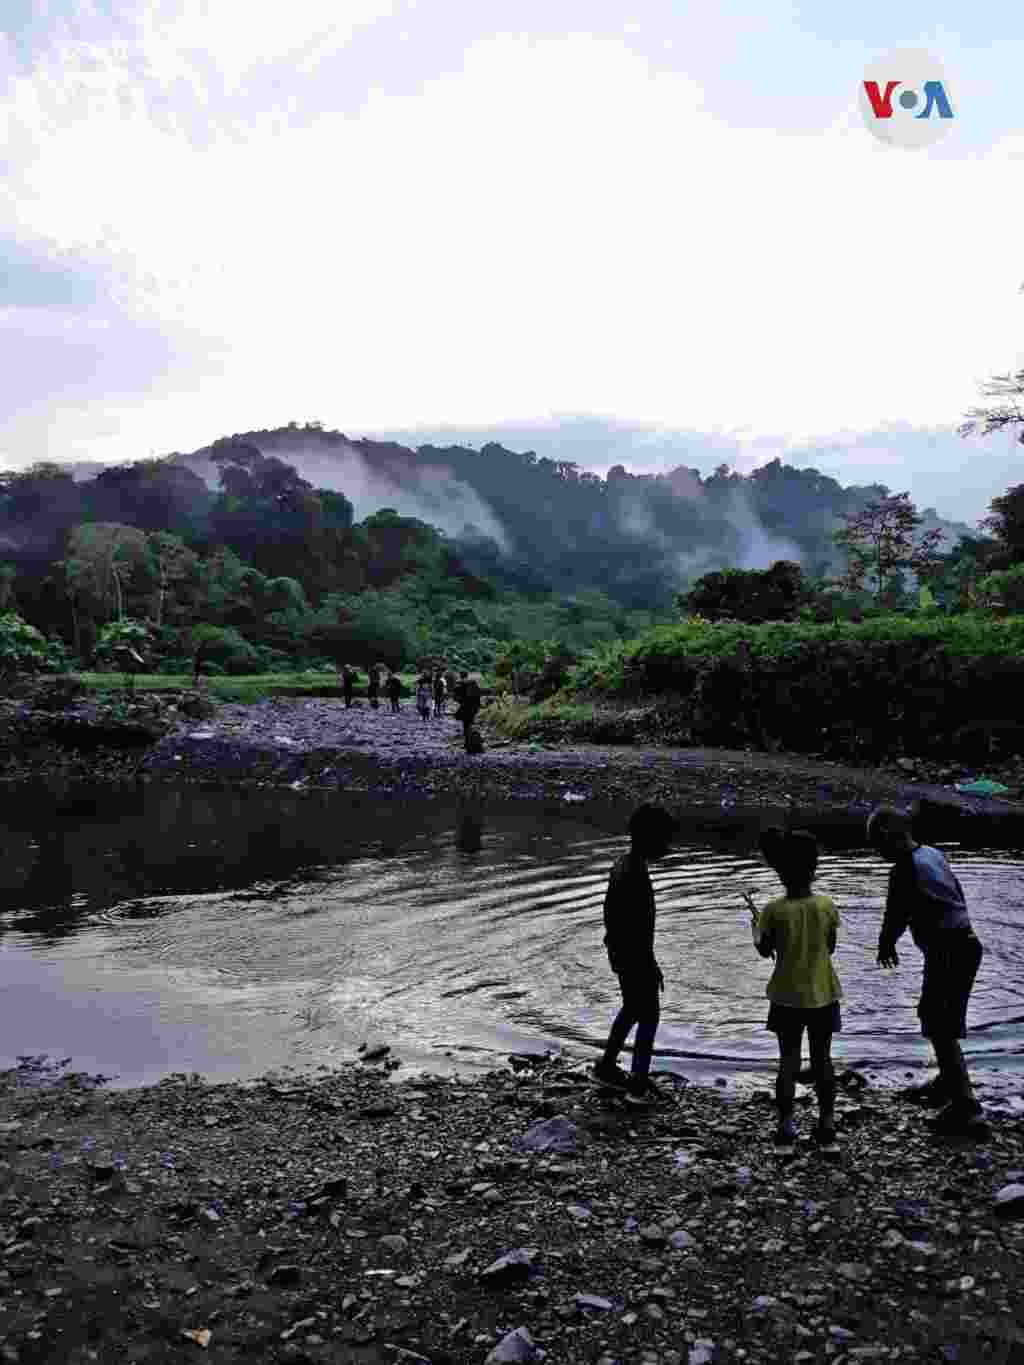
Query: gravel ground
[(319, 742), (355, 1217)]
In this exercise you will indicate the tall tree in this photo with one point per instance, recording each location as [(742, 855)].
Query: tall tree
[(1006, 522), (172, 562), (879, 542), (110, 552), (1008, 412)]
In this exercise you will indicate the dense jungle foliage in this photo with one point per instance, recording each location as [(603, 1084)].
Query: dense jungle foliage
[(251, 549)]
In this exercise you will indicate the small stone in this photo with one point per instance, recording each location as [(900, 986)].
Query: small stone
[(764, 1303), (652, 1233), (1009, 1201), (285, 1275), (962, 1284), (680, 1240), (594, 1301), (840, 1333), (394, 1242), (515, 1347), (701, 1353), (854, 1271)]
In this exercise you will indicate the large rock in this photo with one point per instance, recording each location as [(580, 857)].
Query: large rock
[(516, 1346), (556, 1134), (514, 1266)]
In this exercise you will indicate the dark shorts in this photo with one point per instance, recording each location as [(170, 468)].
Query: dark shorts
[(789, 1023), (951, 963)]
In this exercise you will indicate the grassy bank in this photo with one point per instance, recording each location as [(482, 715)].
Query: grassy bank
[(253, 687), (892, 685)]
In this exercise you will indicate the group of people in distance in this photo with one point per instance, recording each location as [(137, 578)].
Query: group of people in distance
[(798, 931), (432, 691)]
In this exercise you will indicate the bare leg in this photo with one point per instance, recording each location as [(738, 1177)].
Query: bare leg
[(824, 1076), (785, 1082)]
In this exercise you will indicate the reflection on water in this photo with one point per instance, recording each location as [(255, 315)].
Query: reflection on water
[(235, 932)]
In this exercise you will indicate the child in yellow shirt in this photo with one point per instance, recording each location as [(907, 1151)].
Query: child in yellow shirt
[(799, 931)]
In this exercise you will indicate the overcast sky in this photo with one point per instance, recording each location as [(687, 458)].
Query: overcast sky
[(648, 234)]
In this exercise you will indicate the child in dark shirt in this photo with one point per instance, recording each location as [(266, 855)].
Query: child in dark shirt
[(927, 898), (629, 939)]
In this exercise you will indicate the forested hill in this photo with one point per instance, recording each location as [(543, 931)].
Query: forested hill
[(535, 524)]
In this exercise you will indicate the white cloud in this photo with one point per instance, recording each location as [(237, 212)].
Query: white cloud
[(554, 225)]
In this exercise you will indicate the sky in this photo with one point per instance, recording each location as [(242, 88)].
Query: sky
[(646, 234)]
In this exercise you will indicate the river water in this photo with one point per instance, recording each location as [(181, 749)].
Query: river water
[(235, 933)]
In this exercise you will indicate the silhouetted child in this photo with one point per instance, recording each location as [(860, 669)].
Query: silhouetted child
[(927, 898), (629, 939), (373, 687), (423, 697), (394, 690), (440, 694), (799, 931)]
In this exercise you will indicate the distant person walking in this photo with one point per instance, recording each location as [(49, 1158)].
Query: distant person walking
[(373, 687), (348, 683), (440, 693), (927, 898), (469, 704), (423, 697), (799, 931), (394, 690), (629, 940)]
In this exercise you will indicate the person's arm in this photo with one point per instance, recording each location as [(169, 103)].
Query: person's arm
[(613, 916), (761, 929), (897, 912), (833, 929)]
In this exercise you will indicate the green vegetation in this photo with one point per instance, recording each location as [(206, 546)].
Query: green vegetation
[(884, 686), (616, 609)]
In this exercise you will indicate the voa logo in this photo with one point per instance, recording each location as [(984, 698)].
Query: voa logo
[(905, 99)]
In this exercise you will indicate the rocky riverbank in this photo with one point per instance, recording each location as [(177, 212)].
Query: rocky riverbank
[(317, 743), (518, 1216)]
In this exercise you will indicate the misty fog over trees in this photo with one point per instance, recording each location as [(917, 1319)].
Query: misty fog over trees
[(306, 545)]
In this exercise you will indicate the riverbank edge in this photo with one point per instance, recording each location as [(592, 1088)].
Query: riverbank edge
[(721, 788), (353, 1218)]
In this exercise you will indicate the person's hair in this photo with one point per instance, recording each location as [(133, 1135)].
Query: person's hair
[(793, 854), (651, 822), (889, 824)]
